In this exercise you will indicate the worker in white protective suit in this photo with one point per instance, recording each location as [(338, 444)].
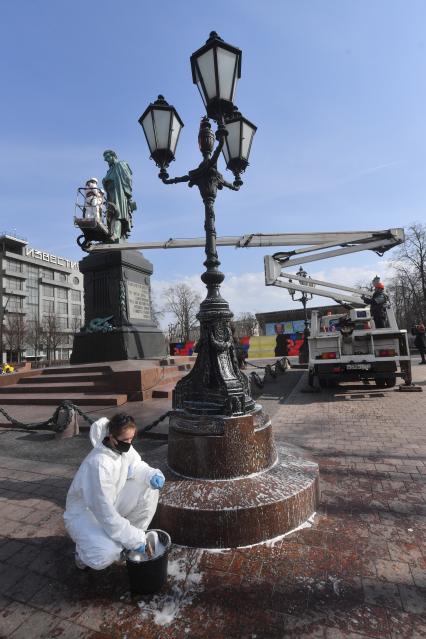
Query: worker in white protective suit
[(113, 496)]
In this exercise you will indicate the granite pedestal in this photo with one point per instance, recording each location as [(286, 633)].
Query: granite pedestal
[(118, 312)]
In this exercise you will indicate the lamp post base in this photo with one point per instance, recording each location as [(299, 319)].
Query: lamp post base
[(234, 487)]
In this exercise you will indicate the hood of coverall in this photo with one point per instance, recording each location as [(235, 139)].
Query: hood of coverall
[(98, 431)]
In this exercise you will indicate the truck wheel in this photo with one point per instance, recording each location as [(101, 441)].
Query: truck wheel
[(380, 382), (311, 378), (390, 381)]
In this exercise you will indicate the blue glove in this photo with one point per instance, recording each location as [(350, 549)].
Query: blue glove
[(140, 548), (157, 481)]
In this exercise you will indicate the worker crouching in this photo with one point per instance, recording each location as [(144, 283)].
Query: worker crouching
[(113, 496)]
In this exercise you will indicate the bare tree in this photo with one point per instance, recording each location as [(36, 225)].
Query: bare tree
[(54, 334), (408, 286), (183, 303), (157, 314), (75, 324), (14, 333), (36, 337), (245, 325)]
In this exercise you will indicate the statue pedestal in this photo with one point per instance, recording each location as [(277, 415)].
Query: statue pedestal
[(229, 485), (117, 284)]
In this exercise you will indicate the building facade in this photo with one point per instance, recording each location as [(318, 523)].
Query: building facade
[(41, 292)]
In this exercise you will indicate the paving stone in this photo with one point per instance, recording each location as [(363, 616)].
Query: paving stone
[(14, 616), (413, 599), (381, 593), (394, 571), (38, 625)]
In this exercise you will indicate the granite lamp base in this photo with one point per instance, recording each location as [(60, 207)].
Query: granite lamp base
[(262, 492)]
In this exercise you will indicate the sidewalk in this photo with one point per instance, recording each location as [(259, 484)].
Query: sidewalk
[(358, 571)]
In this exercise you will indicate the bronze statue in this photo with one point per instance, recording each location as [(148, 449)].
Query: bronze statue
[(120, 206)]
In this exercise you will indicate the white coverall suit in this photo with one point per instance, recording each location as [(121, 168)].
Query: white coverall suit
[(110, 502)]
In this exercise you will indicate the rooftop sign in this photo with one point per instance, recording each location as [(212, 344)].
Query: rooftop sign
[(52, 259)]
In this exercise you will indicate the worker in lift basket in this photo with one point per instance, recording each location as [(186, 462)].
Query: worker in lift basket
[(378, 303), (113, 496)]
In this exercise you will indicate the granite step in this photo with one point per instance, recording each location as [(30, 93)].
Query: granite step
[(82, 387), (70, 377), (164, 392), (51, 399), (66, 370)]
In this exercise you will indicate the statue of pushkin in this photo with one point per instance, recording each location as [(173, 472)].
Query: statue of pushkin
[(120, 206)]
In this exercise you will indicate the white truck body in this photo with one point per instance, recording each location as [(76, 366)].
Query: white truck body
[(357, 351)]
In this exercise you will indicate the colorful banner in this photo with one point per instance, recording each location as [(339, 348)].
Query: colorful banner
[(256, 347), (182, 348)]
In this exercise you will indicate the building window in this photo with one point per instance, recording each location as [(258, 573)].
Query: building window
[(32, 310), (48, 306), (62, 308), (13, 284), (75, 281), (48, 290), (14, 304), (48, 274), (61, 277), (63, 322), (76, 310), (76, 296), (32, 295), (62, 293), (13, 265), (32, 280)]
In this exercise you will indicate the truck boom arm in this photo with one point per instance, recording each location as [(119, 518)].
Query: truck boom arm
[(378, 241)]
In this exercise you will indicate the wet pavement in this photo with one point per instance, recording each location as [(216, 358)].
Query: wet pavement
[(357, 570)]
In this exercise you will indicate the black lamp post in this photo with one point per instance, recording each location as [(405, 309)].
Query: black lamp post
[(304, 298), (215, 386)]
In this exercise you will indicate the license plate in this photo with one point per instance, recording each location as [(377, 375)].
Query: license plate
[(358, 367)]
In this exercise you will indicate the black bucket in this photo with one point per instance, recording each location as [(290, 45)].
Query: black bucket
[(147, 577)]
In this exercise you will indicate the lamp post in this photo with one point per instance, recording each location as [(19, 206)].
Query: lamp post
[(215, 385), (304, 298), (224, 483)]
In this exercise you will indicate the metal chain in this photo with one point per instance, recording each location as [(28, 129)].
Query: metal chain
[(154, 423), (69, 406)]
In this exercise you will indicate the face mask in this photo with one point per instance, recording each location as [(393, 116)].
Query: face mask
[(122, 447)]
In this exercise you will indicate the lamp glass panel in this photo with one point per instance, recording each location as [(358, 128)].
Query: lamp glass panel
[(226, 61), (148, 127), (233, 139), (247, 136), (207, 71), (162, 127), (225, 152), (176, 127)]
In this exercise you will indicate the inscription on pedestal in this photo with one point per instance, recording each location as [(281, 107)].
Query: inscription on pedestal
[(139, 303)]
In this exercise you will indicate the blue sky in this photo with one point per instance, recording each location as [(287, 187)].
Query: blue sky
[(336, 88)]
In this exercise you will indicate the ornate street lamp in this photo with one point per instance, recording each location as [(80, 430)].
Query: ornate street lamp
[(216, 67), (216, 431), (304, 298), (215, 386), (162, 126)]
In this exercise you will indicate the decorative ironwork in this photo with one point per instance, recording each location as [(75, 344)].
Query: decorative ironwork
[(215, 385)]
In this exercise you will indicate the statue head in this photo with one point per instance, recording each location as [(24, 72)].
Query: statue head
[(110, 156)]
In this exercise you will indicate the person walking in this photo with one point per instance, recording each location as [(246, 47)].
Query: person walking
[(113, 496), (420, 341)]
